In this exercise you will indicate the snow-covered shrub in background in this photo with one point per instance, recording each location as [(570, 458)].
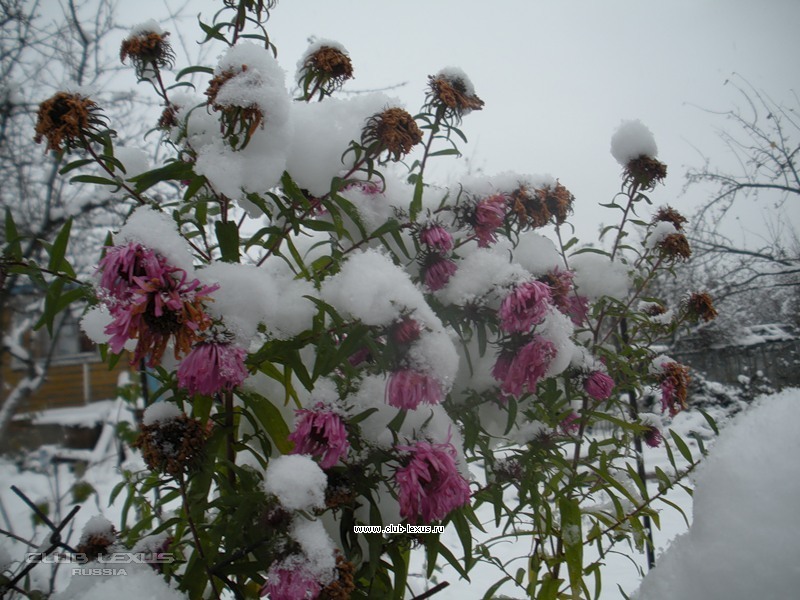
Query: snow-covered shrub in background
[(343, 343)]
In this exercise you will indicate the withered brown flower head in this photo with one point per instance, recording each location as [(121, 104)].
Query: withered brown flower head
[(451, 95), (325, 71), (653, 309), (667, 214), (64, 120), (558, 201), (168, 118), (646, 171), (147, 51), (530, 206), (676, 247), (172, 446), (675, 379), (97, 544), (700, 306), (344, 585), (237, 120), (394, 131)]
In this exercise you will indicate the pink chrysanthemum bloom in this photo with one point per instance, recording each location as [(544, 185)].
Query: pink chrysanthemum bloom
[(430, 486), (570, 425), (438, 271), (674, 387), (163, 304), (120, 265), (320, 432), (289, 580), (525, 307), (502, 365), (489, 216), (407, 389), (212, 367), (406, 331), (652, 436), (436, 237), (528, 366), (599, 385), (564, 297)]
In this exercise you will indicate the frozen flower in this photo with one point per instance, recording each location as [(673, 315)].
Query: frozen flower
[(502, 365), (667, 214), (436, 237), (147, 50), (490, 213), (564, 298), (430, 486), (558, 201), (324, 70), (408, 389), (173, 445), (599, 385), (405, 331), (700, 306), (438, 271), (97, 538), (393, 131), (646, 171), (121, 264), (320, 432), (66, 120), (570, 425), (524, 307), (344, 585), (528, 366), (675, 247), (674, 380), (451, 92), (212, 367), (652, 436), (530, 207), (290, 580)]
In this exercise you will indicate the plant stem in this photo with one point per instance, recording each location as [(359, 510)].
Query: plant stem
[(196, 535)]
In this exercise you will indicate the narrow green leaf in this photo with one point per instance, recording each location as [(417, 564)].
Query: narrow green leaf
[(682, 447), (228, 240), (59, 247), (416, 203)]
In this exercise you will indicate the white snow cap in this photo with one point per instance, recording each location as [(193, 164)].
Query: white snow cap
[(297, 481), (160, 411), (597, 275), (157, 231), (150, 26), (631, 140)]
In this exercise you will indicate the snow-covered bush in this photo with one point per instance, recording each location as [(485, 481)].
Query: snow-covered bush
[(342, 343)]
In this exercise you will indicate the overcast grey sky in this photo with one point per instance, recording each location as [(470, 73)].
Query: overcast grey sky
[(558, 76)]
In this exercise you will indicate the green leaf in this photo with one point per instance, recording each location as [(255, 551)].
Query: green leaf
[(75, 164), (59, 247), (12, 248), (94, 179), (195, 69), (272, 422), (174, 171), (416, 203), (682, 447), (573, 542), (446, 152), (228, 239)]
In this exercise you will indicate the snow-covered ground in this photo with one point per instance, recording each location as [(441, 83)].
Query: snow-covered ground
[(746, 500)]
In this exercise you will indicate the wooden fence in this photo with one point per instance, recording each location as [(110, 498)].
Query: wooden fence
[(777, 361)]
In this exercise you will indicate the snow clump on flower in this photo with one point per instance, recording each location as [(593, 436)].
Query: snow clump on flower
[(631, 140)]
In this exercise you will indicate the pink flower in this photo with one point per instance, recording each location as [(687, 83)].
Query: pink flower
[(212, 367), (576, 308), (120, 265), (489, 215), (321, 433), (502, 365), (430, 486), (406, 331), (599, 385), (438, 271), (290, 580), (407, 389), (524, 307), (528, 366), (154, 307), (436, 237), (652, 436), (570, 425)]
